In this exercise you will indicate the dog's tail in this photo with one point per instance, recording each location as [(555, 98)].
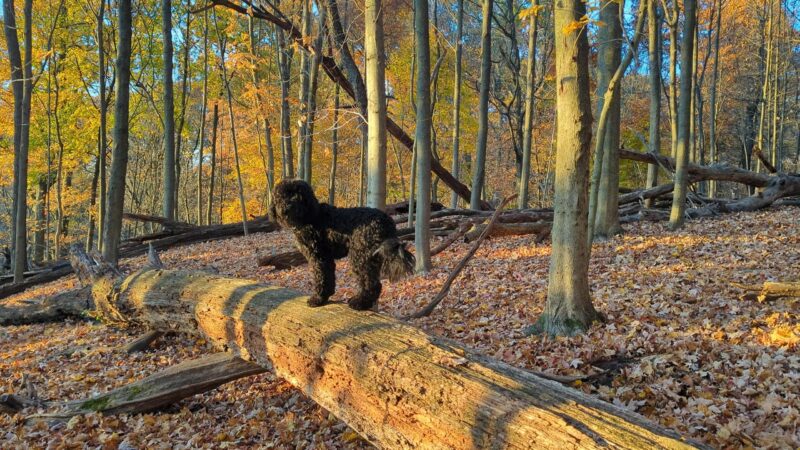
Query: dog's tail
[(398, 262)]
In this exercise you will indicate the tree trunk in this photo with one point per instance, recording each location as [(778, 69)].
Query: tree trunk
[(569, 306), (712, 131), (376, 104), (285, 68), (603, 199), (308, 145), (39, 234), (456, 163), (334, 148), (119, 157), (437, 394), (422, 238), (684, 116), (212, 174), (102, 142), (168, 209), (305, 72), (530, 92), (479, 167), (201, 132), (654, 62)]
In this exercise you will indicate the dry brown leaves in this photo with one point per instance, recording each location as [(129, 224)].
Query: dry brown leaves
[(688, 352)]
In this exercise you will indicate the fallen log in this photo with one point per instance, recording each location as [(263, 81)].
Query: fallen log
[(770, 290), (541, 229), (779, 186), (396, 386), (159, 390), (718, 172), (72, 303), (142, 342), (168, 225), (283, 261)]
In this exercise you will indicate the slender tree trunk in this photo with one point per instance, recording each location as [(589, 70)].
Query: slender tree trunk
[(17, 86), (213, 160), (684, 117), (712, 131), (201, 132), (530, 93), (119, 157), (654, 62), (305, 71), (168, 210), (376, 104), (92, 205), (182, 116), (313, 84), (766, 82), (456, 165), (59, 162), (479, 167), (673, 76), (102, 141), (285, 68), (569, 308), (423, 137), (39, 235), (334, 148), (603, 221), (232, 124)]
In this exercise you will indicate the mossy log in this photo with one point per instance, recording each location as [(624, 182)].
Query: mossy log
[(161, 389), (396, 386)]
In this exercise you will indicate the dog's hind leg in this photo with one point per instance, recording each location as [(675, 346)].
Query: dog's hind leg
[(367, 269), (324, 269)]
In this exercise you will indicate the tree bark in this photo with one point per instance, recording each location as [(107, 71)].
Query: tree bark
[(530, 92), (422, 238), (479, 166), (119, 159), (213, 161), (456, 163), (376, 104), (684, 116), (569, 306), (168, 200), (654, 62)]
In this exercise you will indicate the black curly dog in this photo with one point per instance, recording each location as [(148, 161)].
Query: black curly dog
[(325, 233)]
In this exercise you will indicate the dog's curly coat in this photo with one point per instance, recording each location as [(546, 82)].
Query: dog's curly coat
[(325, 233)]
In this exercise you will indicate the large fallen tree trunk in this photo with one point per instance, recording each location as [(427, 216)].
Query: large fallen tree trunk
[(396, 386)]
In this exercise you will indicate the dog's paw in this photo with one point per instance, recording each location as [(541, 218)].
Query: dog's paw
[(316, 300), (360, 303)]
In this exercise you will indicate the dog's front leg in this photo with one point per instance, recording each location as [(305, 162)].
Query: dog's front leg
[(324, 269)]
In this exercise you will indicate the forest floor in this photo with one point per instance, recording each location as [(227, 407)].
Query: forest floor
[(688, 352)]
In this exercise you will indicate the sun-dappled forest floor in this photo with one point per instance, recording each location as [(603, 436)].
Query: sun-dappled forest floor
[(680, 345)]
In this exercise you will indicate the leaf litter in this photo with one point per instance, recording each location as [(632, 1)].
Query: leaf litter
[(680, 345)]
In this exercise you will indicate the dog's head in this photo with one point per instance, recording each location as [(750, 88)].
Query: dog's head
[(294, 204)]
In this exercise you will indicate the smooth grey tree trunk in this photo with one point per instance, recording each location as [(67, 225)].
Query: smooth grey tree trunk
[(456, 164), (168, 210), (423, 137), (103, 135), (479, 165), (569, 308), (530, 93), (119, 156), (376, 104), (285, 68), (677, 216)]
